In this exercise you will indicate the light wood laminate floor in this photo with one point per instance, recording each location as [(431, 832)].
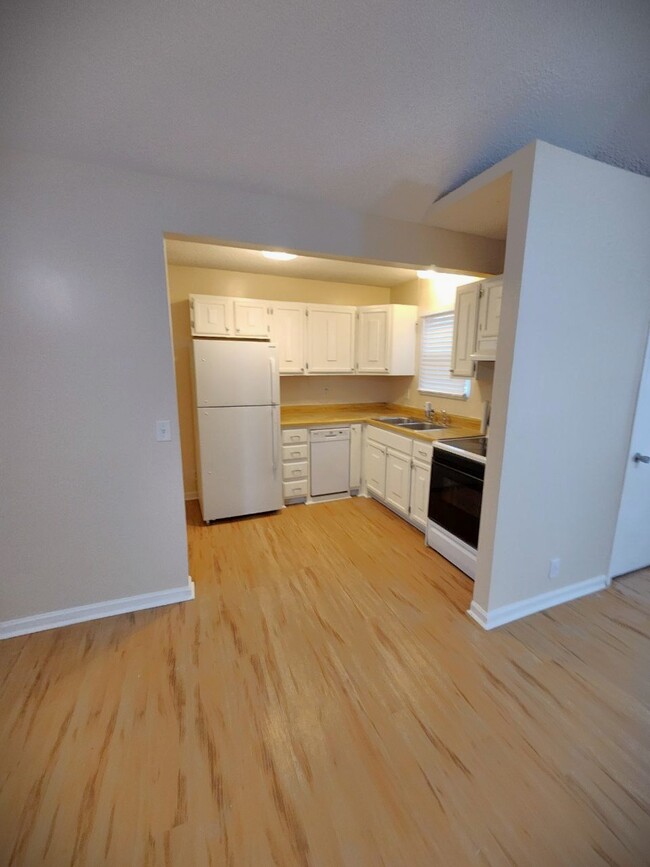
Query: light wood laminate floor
[(326, 701)]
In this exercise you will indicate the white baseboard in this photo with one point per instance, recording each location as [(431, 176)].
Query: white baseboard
[(328, 498), (517, 610), (191, 495), (94, 611)]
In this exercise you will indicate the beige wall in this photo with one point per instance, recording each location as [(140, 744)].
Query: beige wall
[(183, 280), (83, 285), (436, 295)]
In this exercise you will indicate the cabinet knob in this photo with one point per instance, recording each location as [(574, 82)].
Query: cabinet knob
[(237, 330)]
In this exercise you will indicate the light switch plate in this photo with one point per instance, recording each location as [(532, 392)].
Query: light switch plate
[(163, 431)]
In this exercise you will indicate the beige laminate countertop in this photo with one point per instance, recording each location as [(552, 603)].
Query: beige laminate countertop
[(311, 416)]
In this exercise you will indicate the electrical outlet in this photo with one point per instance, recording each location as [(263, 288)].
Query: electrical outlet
[(554, 568), (163, 431)]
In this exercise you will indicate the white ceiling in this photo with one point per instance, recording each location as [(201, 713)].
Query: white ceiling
[(206, 255), (376, 105)]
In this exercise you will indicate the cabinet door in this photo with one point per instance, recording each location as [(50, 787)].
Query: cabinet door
[(288, 324), (489, 316), (465, 330), (420, 481), (376, 469), (211, 316), (372, 339), (251, 318), (355, 456), (330, 339), (398, 481)]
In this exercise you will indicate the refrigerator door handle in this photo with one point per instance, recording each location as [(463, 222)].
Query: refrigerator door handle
[(274, 396), (274, 444)]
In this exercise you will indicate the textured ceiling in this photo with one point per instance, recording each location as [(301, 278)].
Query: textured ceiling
[(377, 105), (206, 255)]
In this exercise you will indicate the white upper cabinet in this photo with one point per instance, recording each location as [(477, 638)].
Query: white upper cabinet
[(288, 322), (465, 318), (251, 318), (220, 316), (316, 338), (372, 339), (330, 338), (386, 339), (211, 316), (489, 315)]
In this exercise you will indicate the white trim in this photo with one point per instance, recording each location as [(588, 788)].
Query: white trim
[(327, 498), (517, 610), (94, 611), (191, 495)]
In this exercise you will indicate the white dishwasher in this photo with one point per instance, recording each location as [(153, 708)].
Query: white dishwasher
[(329, 461)]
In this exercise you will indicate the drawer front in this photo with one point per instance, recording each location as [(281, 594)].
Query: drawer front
[(422, 452), (389, 439), (290, 436), (293, 471), (295, 489), (295, 453)]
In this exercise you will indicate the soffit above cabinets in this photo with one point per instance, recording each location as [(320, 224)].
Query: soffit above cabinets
[(227, 258), (483, 211)]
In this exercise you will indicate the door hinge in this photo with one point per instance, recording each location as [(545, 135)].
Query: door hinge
[(480, 291), (306, 312), (306, 365), (192, 313)]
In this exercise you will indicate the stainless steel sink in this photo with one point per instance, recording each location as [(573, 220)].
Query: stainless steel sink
[(394, 419), (421, 425)]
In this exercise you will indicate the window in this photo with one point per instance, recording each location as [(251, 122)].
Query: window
[(436, 341)]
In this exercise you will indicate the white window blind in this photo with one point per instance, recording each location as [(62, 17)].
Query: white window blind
[(436, 339)]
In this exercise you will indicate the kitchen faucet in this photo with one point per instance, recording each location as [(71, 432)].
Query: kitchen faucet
[(429, 411)]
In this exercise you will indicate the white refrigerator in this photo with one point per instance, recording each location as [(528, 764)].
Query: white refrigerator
[(237, 391)]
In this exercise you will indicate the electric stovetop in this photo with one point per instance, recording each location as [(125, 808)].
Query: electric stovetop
[(469, 446)]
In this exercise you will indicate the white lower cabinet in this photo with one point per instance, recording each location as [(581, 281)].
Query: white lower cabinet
[(355, 456), (295, 464), (398, 472), (419, 505), (375, 466), (398, 481)]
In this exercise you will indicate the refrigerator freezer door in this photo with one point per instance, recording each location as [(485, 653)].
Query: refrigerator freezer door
[(236, 373), (240, 467)]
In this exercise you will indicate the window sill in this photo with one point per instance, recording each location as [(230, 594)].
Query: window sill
[(444, 394)]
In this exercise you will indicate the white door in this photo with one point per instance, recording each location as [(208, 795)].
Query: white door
[(372, 340), (211, 316), (632, 539), (235, 373), (489, 317), (376, 469), (420, 481), (288, 325), (239, 462), (398, 481), (251, 318), (465, 316), (330, 339), (355, 456)]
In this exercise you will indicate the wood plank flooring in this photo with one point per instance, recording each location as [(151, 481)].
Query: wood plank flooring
[(326, 701)]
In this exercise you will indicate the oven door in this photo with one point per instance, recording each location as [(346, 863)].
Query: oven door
[(456, 494)]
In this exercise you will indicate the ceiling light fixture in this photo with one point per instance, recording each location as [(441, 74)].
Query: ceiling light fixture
[(427, 274), (278, 255)]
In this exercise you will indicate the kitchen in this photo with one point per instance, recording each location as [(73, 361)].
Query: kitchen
[(361, 415)]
